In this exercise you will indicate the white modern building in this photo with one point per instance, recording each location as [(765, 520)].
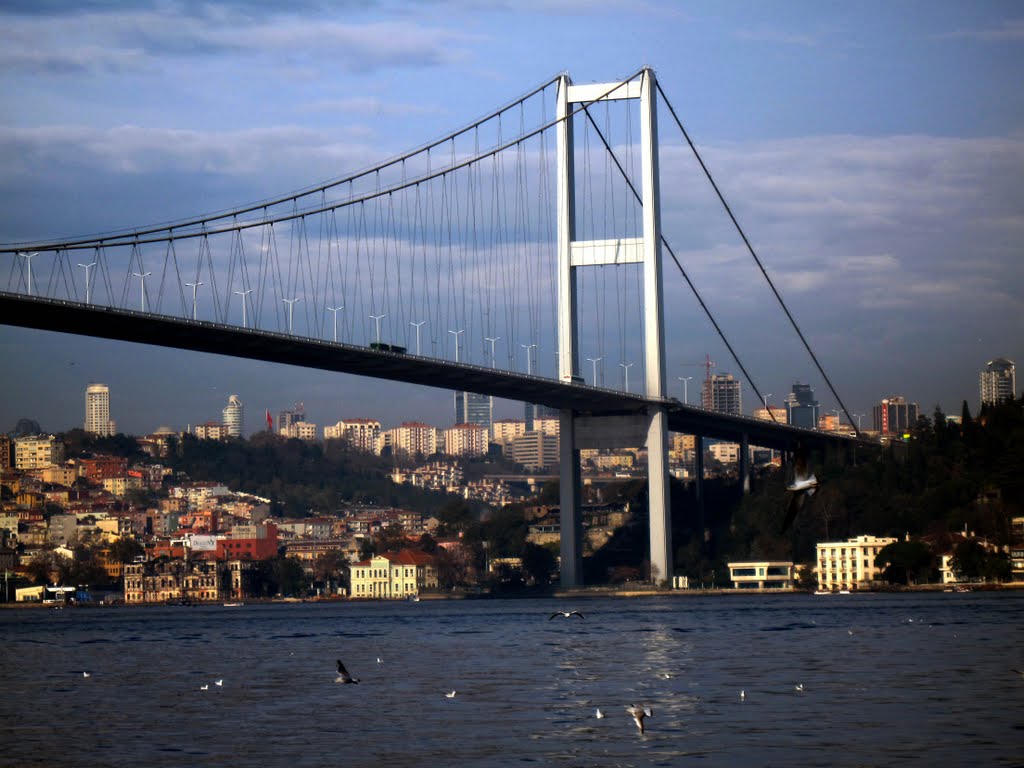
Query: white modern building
[(761, 574), (850, 564), (232, 416), (97, 410)]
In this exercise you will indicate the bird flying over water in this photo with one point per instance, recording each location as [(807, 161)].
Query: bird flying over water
[(343, 675), (638, 714), (220, 682), (566, 614), (450, 695), (598, 713), (803, 486), (85, 674)]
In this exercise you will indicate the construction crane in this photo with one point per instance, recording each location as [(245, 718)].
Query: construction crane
[(707, 365)]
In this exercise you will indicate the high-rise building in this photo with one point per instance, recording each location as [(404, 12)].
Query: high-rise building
[(534, 412), (466, 440), (287, 419), (97, 410), (471, 408), (361, 434), (232, 418), (721, 392), (894, 415), (998, 381), (801, 407)]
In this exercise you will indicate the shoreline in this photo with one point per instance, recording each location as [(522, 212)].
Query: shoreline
[(554, 593)]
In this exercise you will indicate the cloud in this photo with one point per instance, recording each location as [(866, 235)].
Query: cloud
[(120, 41), (772, 35), (369, 106), (1010, 30)]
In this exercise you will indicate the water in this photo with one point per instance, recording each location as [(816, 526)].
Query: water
[(911, 679)]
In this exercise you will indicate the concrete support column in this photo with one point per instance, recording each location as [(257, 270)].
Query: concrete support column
[(570, 514), (745, 463), (658, 497), (698, 460)]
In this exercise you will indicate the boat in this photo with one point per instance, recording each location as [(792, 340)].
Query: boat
[(844, 591), (413, 598), (233, 605)]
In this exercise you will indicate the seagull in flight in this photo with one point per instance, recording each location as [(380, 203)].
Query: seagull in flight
[(86, 674), (450, 695), (566, 614), (220, 682), (743, 695), (204, 687), (638, 714), (799, 687), (598, 713), (803, 486), (343, 675)]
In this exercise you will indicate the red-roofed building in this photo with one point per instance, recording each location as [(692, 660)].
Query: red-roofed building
[(393, 575)]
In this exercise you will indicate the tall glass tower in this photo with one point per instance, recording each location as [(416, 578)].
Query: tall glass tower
[(471, 408), (801, 407)]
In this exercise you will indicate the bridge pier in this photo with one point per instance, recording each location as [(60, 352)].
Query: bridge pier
[(570, 514), (658, 499), (698, 471), (744, 463)]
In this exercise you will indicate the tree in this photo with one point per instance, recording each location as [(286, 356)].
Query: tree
[(538, 563), (391, 538), (290, 578), (905, 562), (125, 550), (972, 561)]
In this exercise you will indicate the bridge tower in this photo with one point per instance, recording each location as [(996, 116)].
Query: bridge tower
[(578, 430)]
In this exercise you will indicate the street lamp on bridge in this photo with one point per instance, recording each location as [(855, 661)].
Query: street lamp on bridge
[(593, 364), (686, 388), (142, 278), (417, 326), (625, 367), (377, 319), (335, 311), (195, 290), (492, 339), (456, 335), (291, 306), (87, 267), (243, 294), (28, 260), (529, 357)]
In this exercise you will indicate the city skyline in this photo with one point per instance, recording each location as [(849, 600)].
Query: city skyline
[(874, 156)]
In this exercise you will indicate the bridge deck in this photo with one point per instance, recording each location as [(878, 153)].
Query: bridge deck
[(203, 336)]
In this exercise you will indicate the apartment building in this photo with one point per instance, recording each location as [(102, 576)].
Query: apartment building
[(850, 564)]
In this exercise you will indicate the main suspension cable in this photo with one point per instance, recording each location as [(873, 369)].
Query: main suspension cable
[(760, 266)]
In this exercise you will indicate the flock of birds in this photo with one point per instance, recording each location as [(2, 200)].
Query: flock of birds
[(637, 712)]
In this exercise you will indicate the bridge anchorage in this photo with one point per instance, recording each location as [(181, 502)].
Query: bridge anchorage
[(415, 269)]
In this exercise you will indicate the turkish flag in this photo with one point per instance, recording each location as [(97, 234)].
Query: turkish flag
[(270, 423)]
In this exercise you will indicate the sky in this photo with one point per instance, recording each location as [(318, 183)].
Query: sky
[(872, 151)]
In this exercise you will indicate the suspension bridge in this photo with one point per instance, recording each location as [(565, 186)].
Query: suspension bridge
[(535, 230)]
